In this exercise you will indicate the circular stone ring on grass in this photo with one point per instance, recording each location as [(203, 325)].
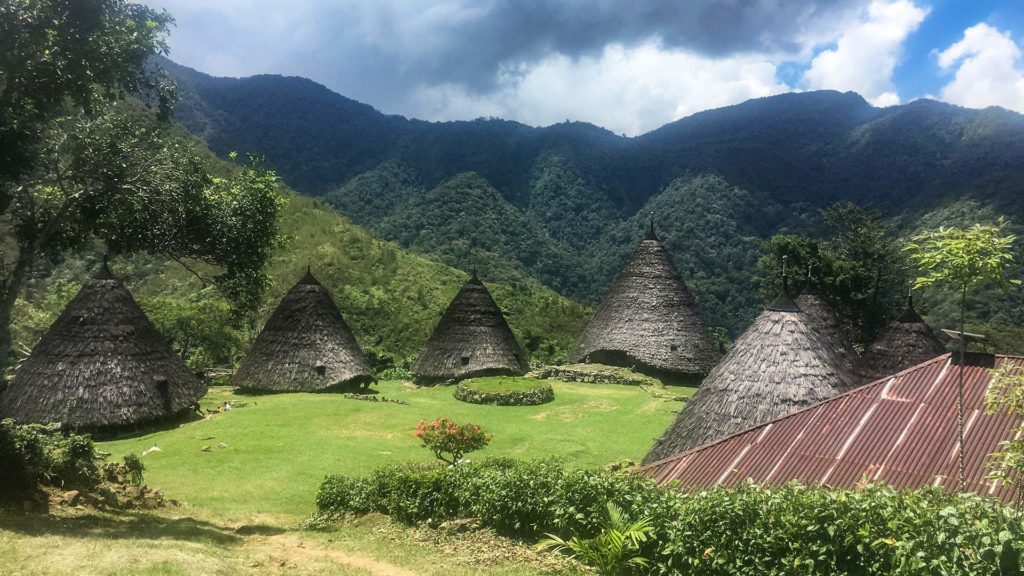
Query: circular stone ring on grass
[(503, 391)]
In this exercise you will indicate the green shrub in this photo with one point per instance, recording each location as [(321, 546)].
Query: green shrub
[(342, 494), (749, 529), (133, 468), (22, 459), (33, 455)]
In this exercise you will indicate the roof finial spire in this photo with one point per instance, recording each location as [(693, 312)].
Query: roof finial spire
[(104, 272), (309, 265), (651, 235), (784, 302)]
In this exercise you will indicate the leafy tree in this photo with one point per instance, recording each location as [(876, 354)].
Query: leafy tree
[(1007, 394), (801, 253), (867, 265), (859, 266), (450, 441), (80, 165), (964, 258), (59, 58)]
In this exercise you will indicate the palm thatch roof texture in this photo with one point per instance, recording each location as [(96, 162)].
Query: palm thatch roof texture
[(832, 328), (778, 365), (907, 342), (472, 339), (649, 320), (305, 346), (102, 364)]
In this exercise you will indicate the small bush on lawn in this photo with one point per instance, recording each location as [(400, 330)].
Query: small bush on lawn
[(745, 530), (450, 441)]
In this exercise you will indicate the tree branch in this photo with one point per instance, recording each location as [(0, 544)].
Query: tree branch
[(205, 281)]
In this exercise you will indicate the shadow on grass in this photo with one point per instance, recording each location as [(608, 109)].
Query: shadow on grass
[(144, 428), (130, 526)]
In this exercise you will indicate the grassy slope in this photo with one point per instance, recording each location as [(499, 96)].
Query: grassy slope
[(391, 298), (280, 447)]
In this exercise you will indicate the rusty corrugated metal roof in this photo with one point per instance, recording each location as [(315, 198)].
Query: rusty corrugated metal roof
[(900, 431)]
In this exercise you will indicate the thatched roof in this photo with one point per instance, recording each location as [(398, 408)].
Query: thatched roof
[(649, 320), (101, 364), (908, 342), (305, 346), (831, 327), (472, 339), (780, 364)]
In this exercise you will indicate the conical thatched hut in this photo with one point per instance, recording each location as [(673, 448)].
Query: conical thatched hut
[(305, 346), (780, 364), (649, 320), (101, 365), (908, 342), (472, 339), (830, 326)]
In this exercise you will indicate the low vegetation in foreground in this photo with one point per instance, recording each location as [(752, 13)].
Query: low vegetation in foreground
[(246, 477), (745, 530)]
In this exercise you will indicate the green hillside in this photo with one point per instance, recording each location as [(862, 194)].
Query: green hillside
[(566, 203), (390, 297)]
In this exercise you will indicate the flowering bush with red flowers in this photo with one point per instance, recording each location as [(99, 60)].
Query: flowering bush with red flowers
[(450, 441)]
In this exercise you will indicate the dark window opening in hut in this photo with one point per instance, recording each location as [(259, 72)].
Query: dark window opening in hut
[(465, 360), (515, 355), (163, 386), (321, 370), (674, 347)]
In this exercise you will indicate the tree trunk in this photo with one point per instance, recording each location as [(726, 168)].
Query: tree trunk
[(8, 297), (960, 394)]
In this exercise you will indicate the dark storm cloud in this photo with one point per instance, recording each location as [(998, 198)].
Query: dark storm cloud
[(483, 37), (385, 52)]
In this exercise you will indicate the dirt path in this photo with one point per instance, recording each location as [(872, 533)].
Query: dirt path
[(288, 550)]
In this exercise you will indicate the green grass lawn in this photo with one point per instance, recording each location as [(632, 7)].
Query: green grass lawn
[(241, 502), (279, 447)]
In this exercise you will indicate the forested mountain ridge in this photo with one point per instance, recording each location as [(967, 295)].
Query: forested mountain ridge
[(813, 147), (566, 203)]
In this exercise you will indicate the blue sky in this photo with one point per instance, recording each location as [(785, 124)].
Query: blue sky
[(627, 65), (918, 73)]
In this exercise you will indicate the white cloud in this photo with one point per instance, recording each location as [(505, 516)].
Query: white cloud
[(989, 70), (624, 89), (867, 52), (623, 68)]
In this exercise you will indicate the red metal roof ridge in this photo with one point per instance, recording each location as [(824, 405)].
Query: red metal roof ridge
[(880, 382)]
